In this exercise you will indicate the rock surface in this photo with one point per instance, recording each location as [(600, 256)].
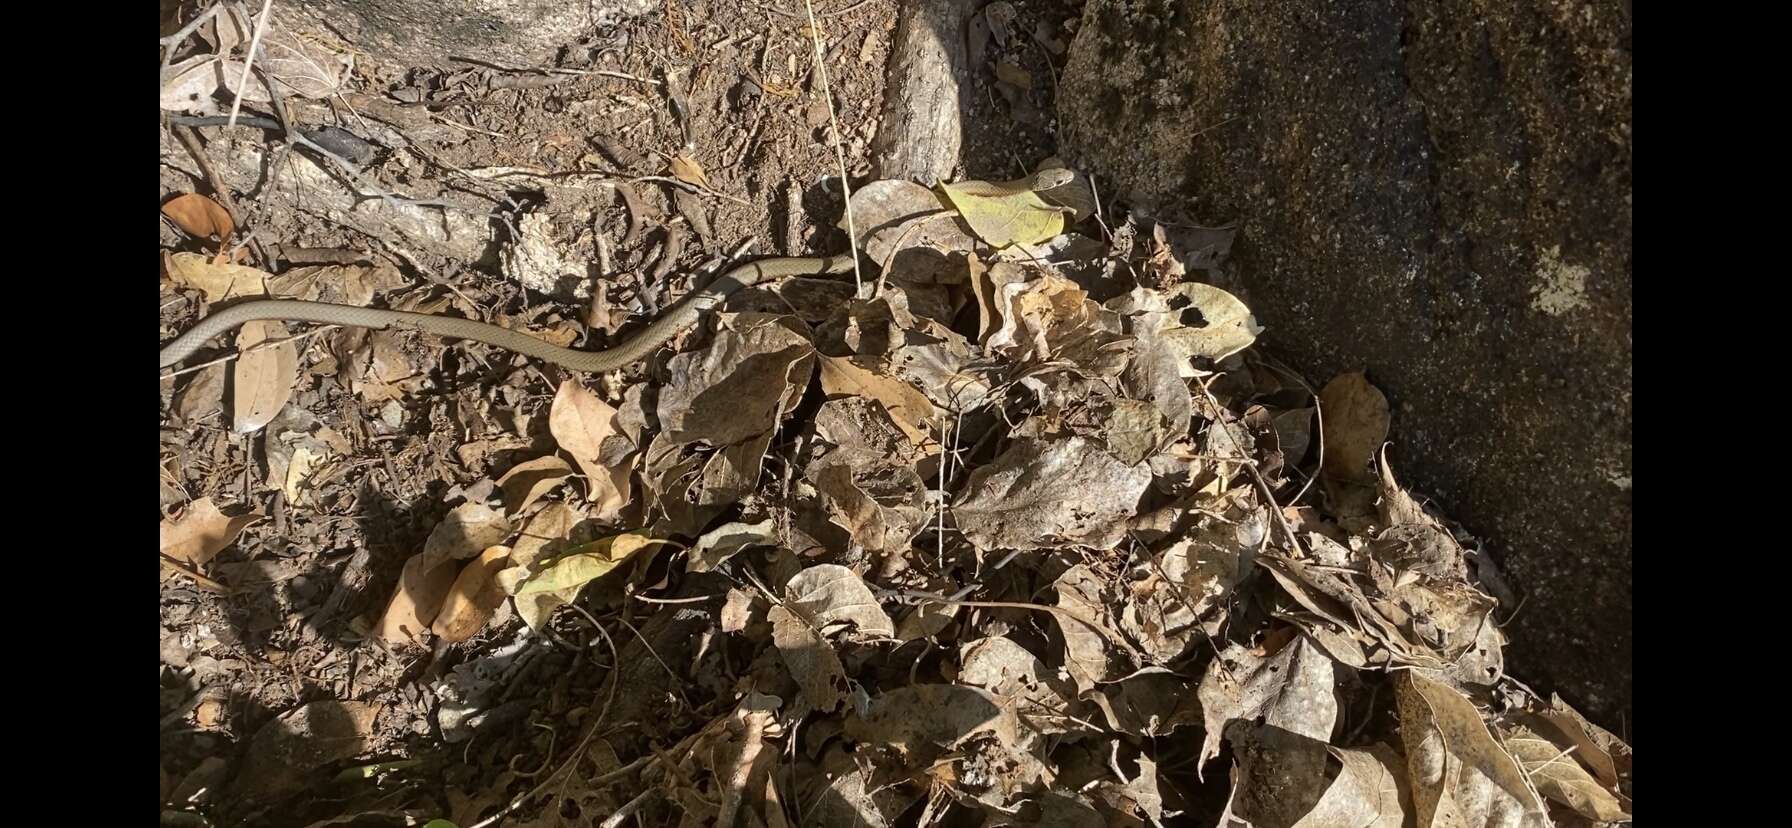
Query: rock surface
[(1439, 193)]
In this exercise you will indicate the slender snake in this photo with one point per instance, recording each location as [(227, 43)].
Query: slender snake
[(679, 317)]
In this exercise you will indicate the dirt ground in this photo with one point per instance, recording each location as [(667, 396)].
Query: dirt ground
[(284, 701)]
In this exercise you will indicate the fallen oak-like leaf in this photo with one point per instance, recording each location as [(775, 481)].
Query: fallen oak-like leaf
[(201, 531), (263, 377), (831, 594)]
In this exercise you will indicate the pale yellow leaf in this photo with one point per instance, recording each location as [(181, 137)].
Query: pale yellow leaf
[(473, 597), (580, 422), (583, 564), (263, 377), (1005, 213), (1558, 776), (201, 532), (217, 281)]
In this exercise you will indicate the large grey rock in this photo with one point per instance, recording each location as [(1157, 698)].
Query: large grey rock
[(521, 33), (1439, 192)]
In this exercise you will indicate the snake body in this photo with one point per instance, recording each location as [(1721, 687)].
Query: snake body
[(679, 317)]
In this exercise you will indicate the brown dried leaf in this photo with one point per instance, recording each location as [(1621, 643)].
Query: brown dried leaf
[(1460, 775), (200, 217), (686, 169), (528, 481), (909, 408), (896, 215), (580, 423), (1356, 420), (1086, 652), (720, 544), (187, 86), (811, 659), (263, 377), (1556, 774), (202, 395), (1293, 689), (217, 281), (301, 67), (468, 530), (1043, 493), (740, 386), (472, 598), (831, 594), (201, 532), (422, 587), (1369, 791), (922, 718)]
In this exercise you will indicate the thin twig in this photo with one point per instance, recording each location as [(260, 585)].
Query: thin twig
[(242, 81), (827, 95), (190, 139), (628, 809)]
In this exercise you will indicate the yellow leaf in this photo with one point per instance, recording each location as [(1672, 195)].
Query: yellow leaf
[(1005, 213), (583, 564), (217, 281), (686, 169)]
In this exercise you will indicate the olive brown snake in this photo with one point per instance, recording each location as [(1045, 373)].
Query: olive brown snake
[(679, 317)]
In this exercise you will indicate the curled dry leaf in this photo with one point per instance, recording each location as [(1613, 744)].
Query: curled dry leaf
[(831, 594), (1460, 774), (528, 481), (908, 407), (720, 544), (202, 531), (472, 598), (580, 423), (263, 377), (1556, 774), (200, 217), (216, 280)]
